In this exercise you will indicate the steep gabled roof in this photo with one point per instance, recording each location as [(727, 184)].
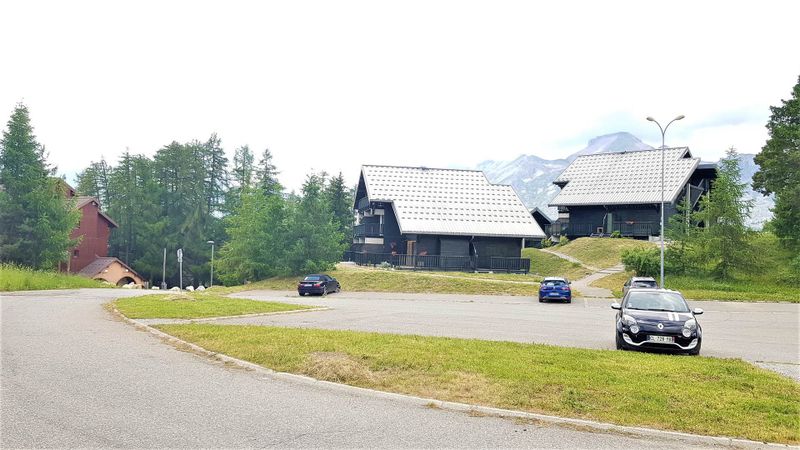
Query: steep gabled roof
[(625, 178), (100, 263), (83, 200), (449, 202)]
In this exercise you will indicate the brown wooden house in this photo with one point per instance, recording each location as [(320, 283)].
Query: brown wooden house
[(93, 231)]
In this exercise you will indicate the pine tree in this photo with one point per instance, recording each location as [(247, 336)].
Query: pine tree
[(726, 239), (779, 171), (267, 175), (316, 243), (93, 181), (340, 201), (35, 217)]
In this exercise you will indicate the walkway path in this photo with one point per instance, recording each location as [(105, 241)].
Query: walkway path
[(584, 284)]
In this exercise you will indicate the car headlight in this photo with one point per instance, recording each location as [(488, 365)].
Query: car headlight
[(688, 327), (634, 329), (628, 320)]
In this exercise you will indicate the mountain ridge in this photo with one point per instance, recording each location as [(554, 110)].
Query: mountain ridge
[(532, 176)]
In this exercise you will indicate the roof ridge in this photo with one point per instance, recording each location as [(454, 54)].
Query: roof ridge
[(622, 152), (420, 167)]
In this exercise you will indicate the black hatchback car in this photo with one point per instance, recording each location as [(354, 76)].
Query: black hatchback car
[(318, 284), (657, 319)]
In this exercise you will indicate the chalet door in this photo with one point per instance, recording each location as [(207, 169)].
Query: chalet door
[(411, 247)]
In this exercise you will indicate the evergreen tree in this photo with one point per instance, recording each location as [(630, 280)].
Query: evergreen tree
[(267, 175), (35, 217), (216, 178), (93, 181), (725, 240), (779, 171), (258, 235), (316, 243), (340, 201), (241, 177)]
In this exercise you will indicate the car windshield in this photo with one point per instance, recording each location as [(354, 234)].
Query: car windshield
[(656, 301), (644, 284), (554, 283), (313, 278)]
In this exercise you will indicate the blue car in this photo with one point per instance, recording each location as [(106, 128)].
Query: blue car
[(555, 288)]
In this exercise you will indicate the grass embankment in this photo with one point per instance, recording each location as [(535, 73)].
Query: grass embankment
[(600, 252), (360, 279), (767, 278), (195, 306), (546, 265), (708, 289), (16, 278), (690, 394)]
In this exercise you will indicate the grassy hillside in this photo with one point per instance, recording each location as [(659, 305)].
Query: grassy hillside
[(547, 265), (16, 278), (357, 279), (600, 252)]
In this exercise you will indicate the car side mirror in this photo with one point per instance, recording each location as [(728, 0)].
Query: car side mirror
[(616, 305), (697, 311)]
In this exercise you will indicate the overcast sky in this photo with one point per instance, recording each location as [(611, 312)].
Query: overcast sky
[(332, 85)]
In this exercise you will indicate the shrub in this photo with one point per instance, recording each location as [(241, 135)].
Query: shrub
[(616, 234), (646, 262), (546, 242), (563, 241)]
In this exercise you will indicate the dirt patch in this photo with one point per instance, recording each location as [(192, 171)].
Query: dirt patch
[(340, 368)]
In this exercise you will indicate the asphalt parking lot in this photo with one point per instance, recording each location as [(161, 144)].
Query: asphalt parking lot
[(758, 332)]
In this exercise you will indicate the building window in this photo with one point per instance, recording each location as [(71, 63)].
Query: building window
[(75, 253)]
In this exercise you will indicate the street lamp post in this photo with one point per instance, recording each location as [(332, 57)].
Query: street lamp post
[(212, 263), (663, 150)]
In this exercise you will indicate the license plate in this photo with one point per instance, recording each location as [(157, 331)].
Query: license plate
[(554, 294), (663, 339)]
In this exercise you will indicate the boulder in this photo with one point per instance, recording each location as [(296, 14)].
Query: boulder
[(175, 288), (201, 288), (190, 288)]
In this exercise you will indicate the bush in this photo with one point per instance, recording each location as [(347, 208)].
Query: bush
[(646, 262), (563, 241), (616, 234), (546, 242)]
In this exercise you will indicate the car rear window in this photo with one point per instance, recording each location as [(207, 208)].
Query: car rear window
[(313, 278), (554, 283), (656, 301), (644, 284)]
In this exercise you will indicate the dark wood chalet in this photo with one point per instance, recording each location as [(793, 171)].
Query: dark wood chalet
[(421, 218), (621, 192)]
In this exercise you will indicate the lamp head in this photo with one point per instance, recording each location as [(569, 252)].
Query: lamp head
[(679, 117), (210, 242), (651, 119)]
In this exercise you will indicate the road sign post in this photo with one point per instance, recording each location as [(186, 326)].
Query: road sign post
[(180, 267)]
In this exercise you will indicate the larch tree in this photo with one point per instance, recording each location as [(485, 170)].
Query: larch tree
[(36, 218)]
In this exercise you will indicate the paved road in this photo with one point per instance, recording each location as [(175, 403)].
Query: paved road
[(753, 331), (74, 376)]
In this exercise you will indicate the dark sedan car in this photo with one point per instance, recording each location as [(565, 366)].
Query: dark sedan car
[(657, 319), (639, 282), (318, 284), (555, 288)]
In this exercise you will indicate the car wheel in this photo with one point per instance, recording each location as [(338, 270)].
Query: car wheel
[(325, 291), (569, 300), (696, 351), (620, 344), (541, 300)]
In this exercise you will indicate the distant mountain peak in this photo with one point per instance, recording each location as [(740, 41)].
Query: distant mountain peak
[(532, 176), (621, 141)]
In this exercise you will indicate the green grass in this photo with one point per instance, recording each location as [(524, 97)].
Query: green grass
[(600, 252), (195, 306), (691, 394), (16, 278), (546, 265), (705, 288), (358, 279)]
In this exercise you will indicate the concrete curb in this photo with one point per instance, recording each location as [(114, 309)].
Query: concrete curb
[(685, 438)]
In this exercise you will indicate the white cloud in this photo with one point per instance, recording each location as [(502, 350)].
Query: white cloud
[(332, 85)]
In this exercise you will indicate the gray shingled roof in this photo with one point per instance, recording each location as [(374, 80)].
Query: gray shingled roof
[(625, 178), (450, 202)]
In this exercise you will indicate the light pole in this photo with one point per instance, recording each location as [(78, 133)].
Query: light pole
[(212, 263), (663, 150)]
